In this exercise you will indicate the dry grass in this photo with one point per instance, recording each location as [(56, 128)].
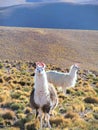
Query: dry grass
[(76, 110), (91, 100), (59, 47)]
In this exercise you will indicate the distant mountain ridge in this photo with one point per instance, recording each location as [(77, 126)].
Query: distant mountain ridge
[(51, 15), (5, 3), (72, 1)]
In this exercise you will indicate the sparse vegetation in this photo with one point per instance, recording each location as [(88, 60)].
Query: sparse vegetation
[(76, 111), (59, 47)]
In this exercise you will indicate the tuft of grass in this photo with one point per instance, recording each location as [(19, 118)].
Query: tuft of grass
[(71, 115), (1, 80), (95, 109), (16, 106), (8, 122), (8, 114), (19, 123), (15, 95), (1, 65), (96, 90), (85, 84), (10, 128), (2, 98), (27, 110), (22, 83), (1, 120), (91, 100), (78, 107), (74, 111), (60, 121), (95, 114), (30, 126), (97, 85), (21, 115)]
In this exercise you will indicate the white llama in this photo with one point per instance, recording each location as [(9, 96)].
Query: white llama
[(63, 80), (43, 97)]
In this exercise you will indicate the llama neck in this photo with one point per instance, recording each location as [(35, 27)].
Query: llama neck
[(41, 83), (73, 73)]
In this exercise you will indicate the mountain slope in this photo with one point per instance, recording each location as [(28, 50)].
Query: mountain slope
[(60, 47), (51, 15)]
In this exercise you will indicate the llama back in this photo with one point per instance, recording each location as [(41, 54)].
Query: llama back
[(56, 78), (61, 79)]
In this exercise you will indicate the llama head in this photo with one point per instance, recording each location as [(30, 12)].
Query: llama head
[(75, 67), (40, 68)]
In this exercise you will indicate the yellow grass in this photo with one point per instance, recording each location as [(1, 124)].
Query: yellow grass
[(76, 110)]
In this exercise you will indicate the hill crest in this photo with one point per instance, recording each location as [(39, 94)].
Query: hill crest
[(59, 47)]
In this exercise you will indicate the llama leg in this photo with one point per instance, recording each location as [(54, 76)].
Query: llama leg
[(49, 121), (37, 113), (41, 118), (64, 90), (47, 117), (41, 121)]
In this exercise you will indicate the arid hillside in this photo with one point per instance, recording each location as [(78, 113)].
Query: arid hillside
[(20, 48), (60, 47)]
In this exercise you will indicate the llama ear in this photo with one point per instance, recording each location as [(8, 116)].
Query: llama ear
[(41, 64), (37, 63), (77, 64)]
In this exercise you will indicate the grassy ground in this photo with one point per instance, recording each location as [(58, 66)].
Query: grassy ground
[(60, 47), (77, 110)]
